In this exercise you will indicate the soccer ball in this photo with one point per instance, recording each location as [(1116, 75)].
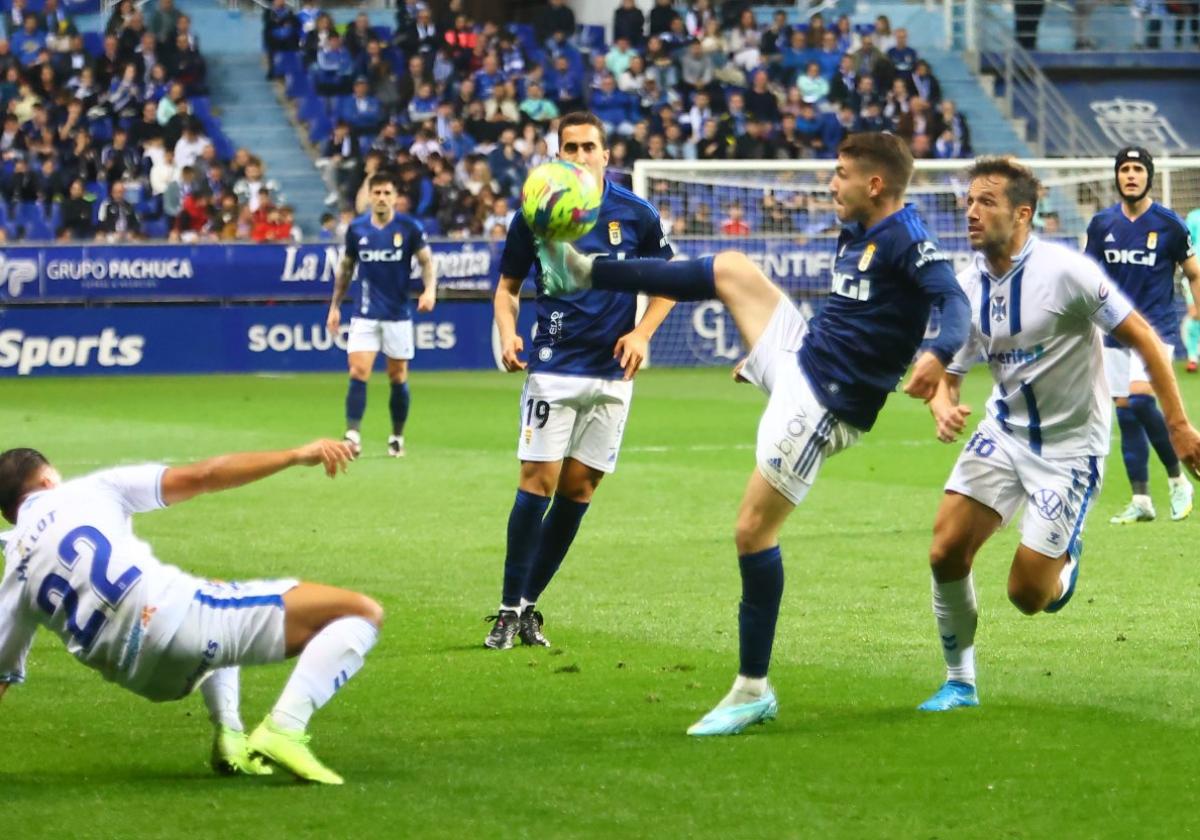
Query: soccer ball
[(560, 201)]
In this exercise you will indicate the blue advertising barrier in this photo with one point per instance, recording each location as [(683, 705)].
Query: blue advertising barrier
[(69, 341), (210, 272), (305, 272)]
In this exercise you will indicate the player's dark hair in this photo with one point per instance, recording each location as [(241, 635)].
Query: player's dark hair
[(885, 154), (17, 468), (382, 177), (1021, 185), (583, 118)]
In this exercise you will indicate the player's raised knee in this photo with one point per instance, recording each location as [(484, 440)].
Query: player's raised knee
[(368, 608), (1027, 598)]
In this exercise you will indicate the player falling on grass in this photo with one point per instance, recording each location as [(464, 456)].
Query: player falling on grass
[(1037, 313), (72, 564), (1139, 242), (586, 352), (827, 378), (382, 244)]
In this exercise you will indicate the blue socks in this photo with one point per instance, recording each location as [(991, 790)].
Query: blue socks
[(356, 403), (675, 279), (1135, 449), (524, 530), (1151, 417), (762, 589), (558, 532), (398, 406)]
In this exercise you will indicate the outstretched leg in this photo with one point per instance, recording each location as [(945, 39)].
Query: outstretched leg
[(730, 277)]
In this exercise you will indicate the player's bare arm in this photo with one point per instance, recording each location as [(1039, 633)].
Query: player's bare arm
[(428, 298), (927, 373), (948, 413), (341, 282), (1136, 333), (507, 304), (1191, 270), (631, 349), (225, 472)]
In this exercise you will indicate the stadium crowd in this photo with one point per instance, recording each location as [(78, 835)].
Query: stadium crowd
[(463, 109), (108, 136)]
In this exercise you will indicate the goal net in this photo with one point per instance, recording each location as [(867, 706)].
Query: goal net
[(779, 213)]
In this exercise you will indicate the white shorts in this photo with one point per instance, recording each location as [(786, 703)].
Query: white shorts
[(226, 624), (395, 338), (573, 417), (998, 470), (796, 433), (1123, 366)]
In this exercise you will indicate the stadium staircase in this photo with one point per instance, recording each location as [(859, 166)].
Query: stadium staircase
[(250, 111), (991, 131)]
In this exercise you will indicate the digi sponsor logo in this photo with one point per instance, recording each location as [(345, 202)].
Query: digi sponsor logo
[(28, 353), (1114, 256), (15, 274)]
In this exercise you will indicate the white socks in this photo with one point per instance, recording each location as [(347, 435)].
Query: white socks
[(331, 658), (957, 616), (221, 692), (745, 690)]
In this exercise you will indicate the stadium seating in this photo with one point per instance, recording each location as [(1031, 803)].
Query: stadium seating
[(30, 204)]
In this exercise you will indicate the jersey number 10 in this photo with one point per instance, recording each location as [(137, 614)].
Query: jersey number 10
[(110, 592)]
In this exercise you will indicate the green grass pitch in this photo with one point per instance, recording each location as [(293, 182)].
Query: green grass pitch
[(1088, 727)]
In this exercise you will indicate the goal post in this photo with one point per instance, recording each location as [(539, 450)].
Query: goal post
[(779, 213)]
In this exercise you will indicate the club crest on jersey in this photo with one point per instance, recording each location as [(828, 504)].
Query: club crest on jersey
[(868, 254), (999, 309), (1152, 240), (614, 233), (397, 240)]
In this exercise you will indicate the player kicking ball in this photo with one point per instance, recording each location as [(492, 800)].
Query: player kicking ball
[(1139, 242), (72, 564), (1038, 311), (827, 379), (382, 245)]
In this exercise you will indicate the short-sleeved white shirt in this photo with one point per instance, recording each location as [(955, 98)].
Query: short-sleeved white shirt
[(73, 564), (1039, 329)]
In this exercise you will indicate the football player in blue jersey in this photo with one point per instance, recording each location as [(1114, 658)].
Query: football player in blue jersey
[(826, 378), (587, 349), (382, 245), (1139, 243)]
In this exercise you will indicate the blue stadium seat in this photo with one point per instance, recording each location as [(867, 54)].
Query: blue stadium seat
[(383, 33), (320, 130), (93, 43), (431, 225), (591, 38), (25, 213), (156, 228), (310, 107), (54, 215), (38, 229)]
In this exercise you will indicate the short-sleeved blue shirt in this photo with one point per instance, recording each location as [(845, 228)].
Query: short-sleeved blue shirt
[(576, 334), (1140, 256), (384, 256)]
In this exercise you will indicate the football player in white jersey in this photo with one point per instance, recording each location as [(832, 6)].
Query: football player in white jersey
[(73, 564), (1038, 309)]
